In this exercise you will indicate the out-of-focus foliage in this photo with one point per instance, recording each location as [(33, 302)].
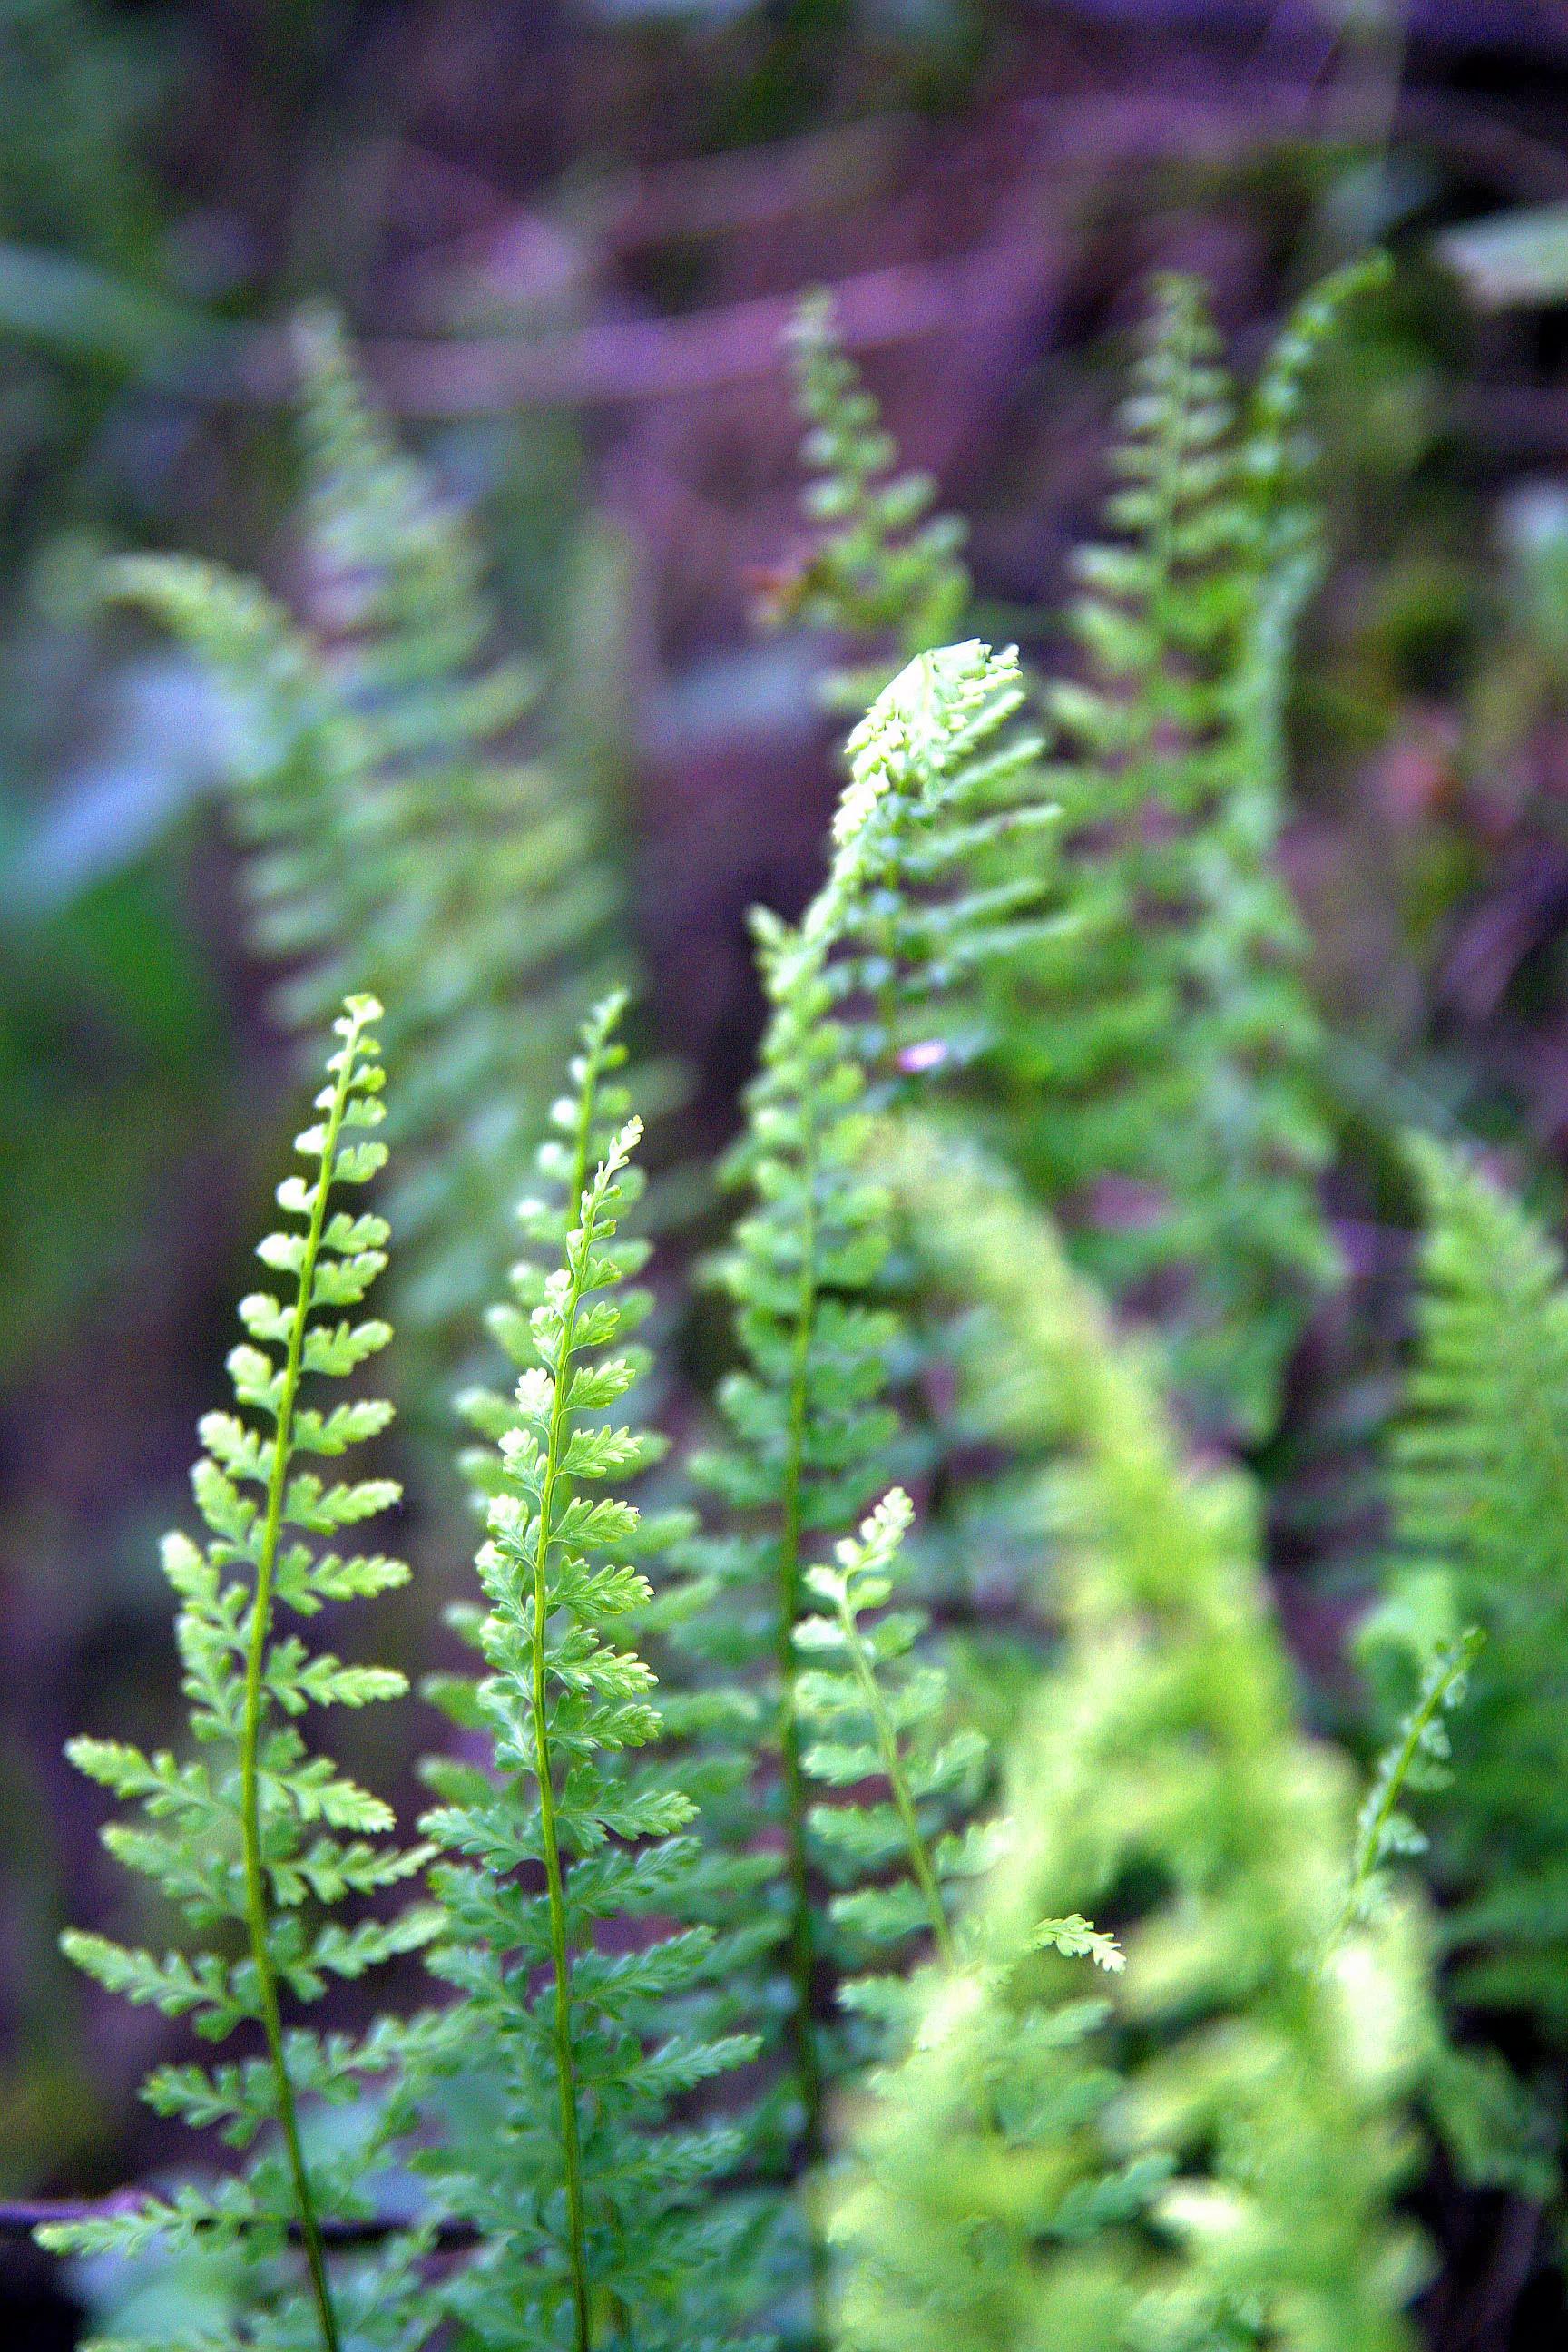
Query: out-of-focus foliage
[(1204, 2150), (400, 835)]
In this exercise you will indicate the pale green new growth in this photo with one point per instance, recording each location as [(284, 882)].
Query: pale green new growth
[(256, 1834), (937, 776), (1157, 1058)]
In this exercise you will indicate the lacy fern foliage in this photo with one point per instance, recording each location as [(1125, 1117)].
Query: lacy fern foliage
[(257, 1838), (879, 1713), (936, 774), (884, 567)]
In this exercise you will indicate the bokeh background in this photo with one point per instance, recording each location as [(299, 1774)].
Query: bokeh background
[(566, 235)]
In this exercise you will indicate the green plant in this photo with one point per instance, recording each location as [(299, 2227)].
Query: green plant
[(1204, 2155), (255, 1838), (399, 838), (585, 2194)]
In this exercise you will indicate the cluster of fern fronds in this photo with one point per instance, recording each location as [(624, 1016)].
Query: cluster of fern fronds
[(784, 1987)]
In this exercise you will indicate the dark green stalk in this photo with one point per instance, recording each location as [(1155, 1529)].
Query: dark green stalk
[(898, 1782)]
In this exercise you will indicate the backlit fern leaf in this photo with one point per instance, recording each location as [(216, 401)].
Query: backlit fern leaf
[(877, 1714), (257, 1838)]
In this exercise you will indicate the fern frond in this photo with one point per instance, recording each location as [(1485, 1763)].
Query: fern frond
[(884, 567), (1205, 2152), (257, 1838), (1173, 1045), (1479, 1488), (1416, 1759), (400, 839), (587, 2194)]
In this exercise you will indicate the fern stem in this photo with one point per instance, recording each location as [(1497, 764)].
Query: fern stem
[(555, 1888), (802, 1942), (802, 1952), (255, 1703), (898, 1782), (1437, 1694)]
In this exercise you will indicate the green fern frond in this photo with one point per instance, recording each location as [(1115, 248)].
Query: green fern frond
[(1480, 1483), (1205, 2152), (400, 839), (1416, 1759), (587, 2196), (1172, 1047), (256, 1838)]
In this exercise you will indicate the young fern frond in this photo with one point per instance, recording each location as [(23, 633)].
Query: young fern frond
[(936, 778), (585, 2193), (877, 1714), (257, 1838), (1204, 2153), (400, 839)]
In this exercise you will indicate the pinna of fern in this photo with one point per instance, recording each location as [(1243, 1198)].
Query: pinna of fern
[(398, 838), (1207, 2153), (938, 778), (257, 1837), (592, 2206)]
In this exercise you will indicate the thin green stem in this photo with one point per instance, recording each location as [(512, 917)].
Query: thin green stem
[(897, 1781), (555, 1887), (1437, 1693), (255, 1909)]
